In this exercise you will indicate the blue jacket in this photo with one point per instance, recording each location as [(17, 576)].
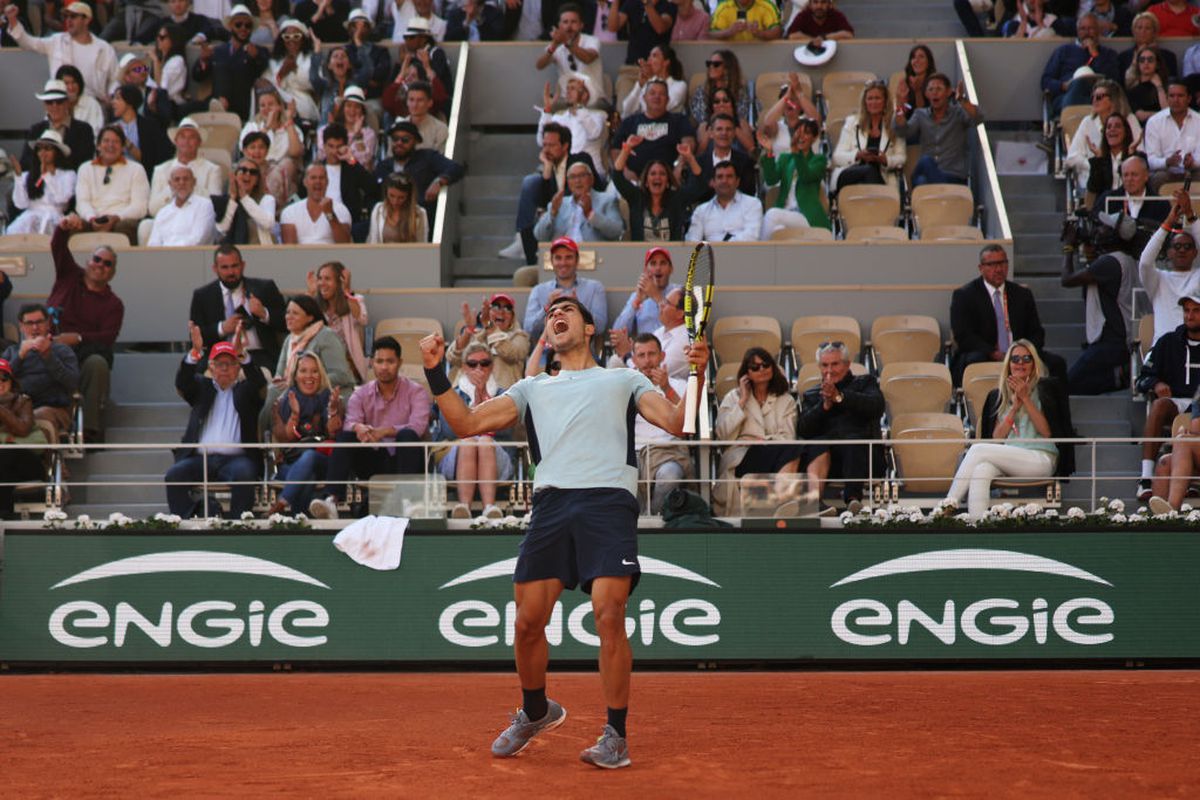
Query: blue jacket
[(1069, 57)]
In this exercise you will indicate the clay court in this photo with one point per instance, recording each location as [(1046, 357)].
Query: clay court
[(959, 734)]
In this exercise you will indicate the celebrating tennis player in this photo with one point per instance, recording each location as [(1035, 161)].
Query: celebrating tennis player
[(583, 529)]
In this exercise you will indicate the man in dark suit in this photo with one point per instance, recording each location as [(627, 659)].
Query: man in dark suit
[(218, 308), (224, 412), (720, 148), (356, 187), (233, 66), (1116, 209), (977, 316), (76, 134)]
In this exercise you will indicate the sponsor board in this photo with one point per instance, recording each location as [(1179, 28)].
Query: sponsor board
[(129, 597)]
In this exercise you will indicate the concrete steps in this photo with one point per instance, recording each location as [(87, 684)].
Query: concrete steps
[(922, 19)]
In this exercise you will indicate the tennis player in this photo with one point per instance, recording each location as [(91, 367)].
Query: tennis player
[(583, 531)]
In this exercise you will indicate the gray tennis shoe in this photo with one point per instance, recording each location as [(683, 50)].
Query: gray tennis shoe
[(517, 735), (609, 751)]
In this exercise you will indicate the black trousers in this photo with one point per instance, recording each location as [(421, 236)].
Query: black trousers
[(363, 462)]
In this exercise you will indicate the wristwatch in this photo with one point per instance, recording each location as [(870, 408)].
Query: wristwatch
[(840, 397)]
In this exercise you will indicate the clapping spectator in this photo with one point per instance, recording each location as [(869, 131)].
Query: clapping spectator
[(188, 220), (658, 204), (745, 21), (309, 411), (112, 193), (188, 138), (290, 69), (372, 62), (92, 56), (44, 192), (579, 211), (418, 18), (647, 24), (941, 129), (75, 134), (349, 181), (799, 174), (345, 312), (722, 105), (357, 135), (495, 327), (80, 103), (19, 463), (398, 218), (269, 14), (572, 50), (413, 70), (662, 64), (421, 45), (588, 126), (1033, 21), (867, 150), (1146, 82), (285, 150), (1113, 17), (248, 215), (659, 130), (691, 23), (315, 219), (1145, 34), (47, 371), (233, 66), (917, 69), (326, 18), (145, 140), (640, 313), (819, 21), (474, 20), (1172, 138), (1107, 100), (1104, 168), (722, 71), (781, 121), (197, 27)]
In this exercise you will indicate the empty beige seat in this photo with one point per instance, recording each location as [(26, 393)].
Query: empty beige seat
[(808, 333), (810, 375), (842, 90), (1069, 120), (978, 380), (927, 468), (87, 242), (802, 235), (905, 337), (951, 233), (868, 204), (942, 204), (726, 379), (526, 276), (14, 242), (408, 331), (215, 119), (877, 233), (221, 137), (733, 336), (915, 386)]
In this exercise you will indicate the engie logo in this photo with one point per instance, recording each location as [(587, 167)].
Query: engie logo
[(996, 621), (207, 623), (690, 622)]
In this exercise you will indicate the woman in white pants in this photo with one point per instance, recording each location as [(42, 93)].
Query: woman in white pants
[(1025, 406)]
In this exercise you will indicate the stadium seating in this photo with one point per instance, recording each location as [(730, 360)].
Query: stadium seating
[(868, 205), (808, 333), (926, 468), (905, 337), (978, 380), (915, 387), (880, 234), (408, 331), (942, 204), (732, 336)]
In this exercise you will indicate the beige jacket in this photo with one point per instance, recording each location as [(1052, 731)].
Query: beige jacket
[(773, 420)]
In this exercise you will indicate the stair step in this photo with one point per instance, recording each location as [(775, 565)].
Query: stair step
[(124, 462), (162, 414), (490, 206), (490, 224), (493, 185), (149, 490), (144, 377), (474, 246), (145, 435), (486, 267), (1105, 407)]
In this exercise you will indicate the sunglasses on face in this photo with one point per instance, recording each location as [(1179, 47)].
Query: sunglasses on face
[(1146, 59), (714, 64), (757, 366), (486, 362), (5, 377), (403, 139), (247, 170), (1100, 95), (1183, 246), (241, 26), (138, 68), (56, 101), (1021, 359), (104, 262)]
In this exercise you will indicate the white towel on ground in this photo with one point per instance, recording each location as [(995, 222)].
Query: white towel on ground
[(372, 541)]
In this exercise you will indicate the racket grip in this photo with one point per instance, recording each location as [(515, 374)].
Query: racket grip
[(691, 400), (705, 420)]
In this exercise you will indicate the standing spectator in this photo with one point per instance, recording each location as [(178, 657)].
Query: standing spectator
[(112, 193), (538, 188), (429, 170), (474, 20), (20, 463), (80, 103), (662, 64), (588, 126), (819, 21), (248, 212), (942, 131), (580, 212), (1034, 21), (316, 219), (729, 216), (477, 461), (93, 57), (434, 132), (188, 220), (867, 150), (89, 318), (1172, 139), (326, 18), (1107, 99), (188, 138), (285, 150), (495, 327), (47, 370), (659, 131), (310, 410), (413, 70), (745, 21), (722, 71), (421, 45), (350, 183), (799, 174), (1166, 287), (761, 413), (145, 140), (564, 257), (417, 15), (217, 308), (387, 411), (372, 62), (357, 135), (224, 410), (1175, 18), (398, 218), (1146, 81), (662, 466), (646, 23), (691, 23), (44, 192), (233, 66), (1145, 34), (1065, 77), (197, 27), (345, 312), (640, 313), (1113, 17), (6, 39), (290, 69), (658, 204), (75, 134), (573, 51)]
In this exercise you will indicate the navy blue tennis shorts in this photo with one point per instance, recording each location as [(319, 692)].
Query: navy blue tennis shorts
[(578, 535)]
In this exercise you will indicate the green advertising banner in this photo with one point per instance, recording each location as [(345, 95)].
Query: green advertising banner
[(143, 597)]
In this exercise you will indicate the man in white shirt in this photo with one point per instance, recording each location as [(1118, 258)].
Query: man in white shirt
[(111, 193), (1172, 139), (317, 219), (729, 216), (671, 335), (663, 467), (1166, 287), (434, 132), (93, 57), (188, 138), (186, 221), (574, 52)]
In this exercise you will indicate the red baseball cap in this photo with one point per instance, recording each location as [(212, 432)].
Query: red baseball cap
[(5, 366), (658, 251), (567, 242), (501, 297), (222, 349)]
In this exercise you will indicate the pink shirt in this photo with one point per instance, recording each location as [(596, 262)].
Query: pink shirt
[(408, 408), (691, 29)]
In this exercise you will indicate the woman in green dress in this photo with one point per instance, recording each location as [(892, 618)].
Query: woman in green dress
[(799, 174)]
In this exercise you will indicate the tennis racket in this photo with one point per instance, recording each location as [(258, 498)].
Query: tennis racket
[(697, 305)]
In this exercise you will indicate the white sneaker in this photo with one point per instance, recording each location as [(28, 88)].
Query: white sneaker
[(323, 508), (460, 511), (515, 251), (1160, 506), (492, 511)]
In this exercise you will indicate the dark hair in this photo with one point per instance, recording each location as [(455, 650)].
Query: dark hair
[(726, 165), (279, 50), (726, 117), (112, 128), (583, 310), (778, 384), (908, 70), (1105, 149), (712, 99), (564, 133), (308, 305), (255, 136), (35, 187), (226, 248), (130, 94), (386, 343), (992, 248), (339, 305), (810, 125), (29, 308), (73, 71), (572, 8), (646, 171), (646, 338), (674, 68), (733, 74), (178, 38), (420, 86), (1177, 81), (939, 76), (334, 130)]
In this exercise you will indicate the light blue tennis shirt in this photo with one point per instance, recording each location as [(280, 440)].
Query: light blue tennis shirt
[(580, 426)]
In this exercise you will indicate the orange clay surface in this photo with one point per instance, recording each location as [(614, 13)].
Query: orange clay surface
[(959, 734)]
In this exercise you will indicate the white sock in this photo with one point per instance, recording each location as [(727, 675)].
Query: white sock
[(1147, 467)]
